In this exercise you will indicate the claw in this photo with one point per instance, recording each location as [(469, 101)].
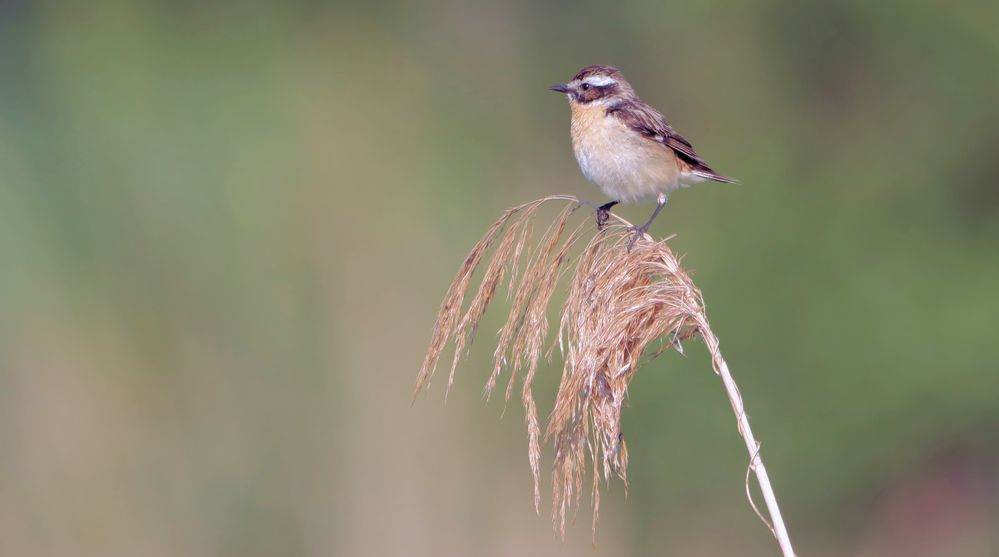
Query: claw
[(639, 231), (603, 214)]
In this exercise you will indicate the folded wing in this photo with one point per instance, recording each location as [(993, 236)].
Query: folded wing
[(650, 123)]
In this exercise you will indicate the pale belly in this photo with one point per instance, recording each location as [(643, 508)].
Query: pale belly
[(624, 165)]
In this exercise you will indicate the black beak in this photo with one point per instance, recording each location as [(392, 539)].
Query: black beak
[(559, 88)]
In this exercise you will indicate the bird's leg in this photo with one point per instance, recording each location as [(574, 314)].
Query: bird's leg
[(641, 230), (583, 201), (603, 213)]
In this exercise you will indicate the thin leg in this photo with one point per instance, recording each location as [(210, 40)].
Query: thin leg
[(603, 213), (641, 230)]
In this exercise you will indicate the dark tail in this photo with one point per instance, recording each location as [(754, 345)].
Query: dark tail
[(712, 175)]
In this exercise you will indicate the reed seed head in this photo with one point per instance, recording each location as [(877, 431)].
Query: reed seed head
[(623, 307)]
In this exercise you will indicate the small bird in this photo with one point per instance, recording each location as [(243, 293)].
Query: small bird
[(625, 146)]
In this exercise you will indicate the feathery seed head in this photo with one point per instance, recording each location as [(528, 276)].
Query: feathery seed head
[(622, 306)]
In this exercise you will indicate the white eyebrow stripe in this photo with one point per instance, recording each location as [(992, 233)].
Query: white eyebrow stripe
[(599, 80)]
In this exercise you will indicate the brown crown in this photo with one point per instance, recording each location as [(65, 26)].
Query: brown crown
[(599, 69)]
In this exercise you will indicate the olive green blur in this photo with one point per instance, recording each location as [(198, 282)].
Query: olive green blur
[(226, 227)]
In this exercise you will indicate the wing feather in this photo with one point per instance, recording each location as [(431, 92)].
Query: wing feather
[(649, 122)]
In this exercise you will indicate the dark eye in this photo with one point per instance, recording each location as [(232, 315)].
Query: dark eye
[(585, 87)]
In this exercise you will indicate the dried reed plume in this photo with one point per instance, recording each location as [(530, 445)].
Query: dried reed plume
[(622, 306)]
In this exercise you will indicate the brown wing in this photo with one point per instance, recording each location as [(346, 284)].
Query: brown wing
[(650, 123)]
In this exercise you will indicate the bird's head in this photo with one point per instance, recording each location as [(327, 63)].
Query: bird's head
[(596, 85)]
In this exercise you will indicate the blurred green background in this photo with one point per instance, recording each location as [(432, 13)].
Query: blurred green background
[(225, 229)]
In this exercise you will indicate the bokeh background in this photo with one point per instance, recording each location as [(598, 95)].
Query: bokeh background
[(225, 229)]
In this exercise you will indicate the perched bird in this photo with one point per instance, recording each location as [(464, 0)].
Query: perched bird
[(625, 146)]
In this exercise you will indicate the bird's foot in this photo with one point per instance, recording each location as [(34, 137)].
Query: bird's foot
[(603, 214), (638, 232)]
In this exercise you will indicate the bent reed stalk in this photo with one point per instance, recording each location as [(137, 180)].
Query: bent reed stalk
[(621, 305)]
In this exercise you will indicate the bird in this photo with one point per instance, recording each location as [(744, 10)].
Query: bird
[(625, 146)]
